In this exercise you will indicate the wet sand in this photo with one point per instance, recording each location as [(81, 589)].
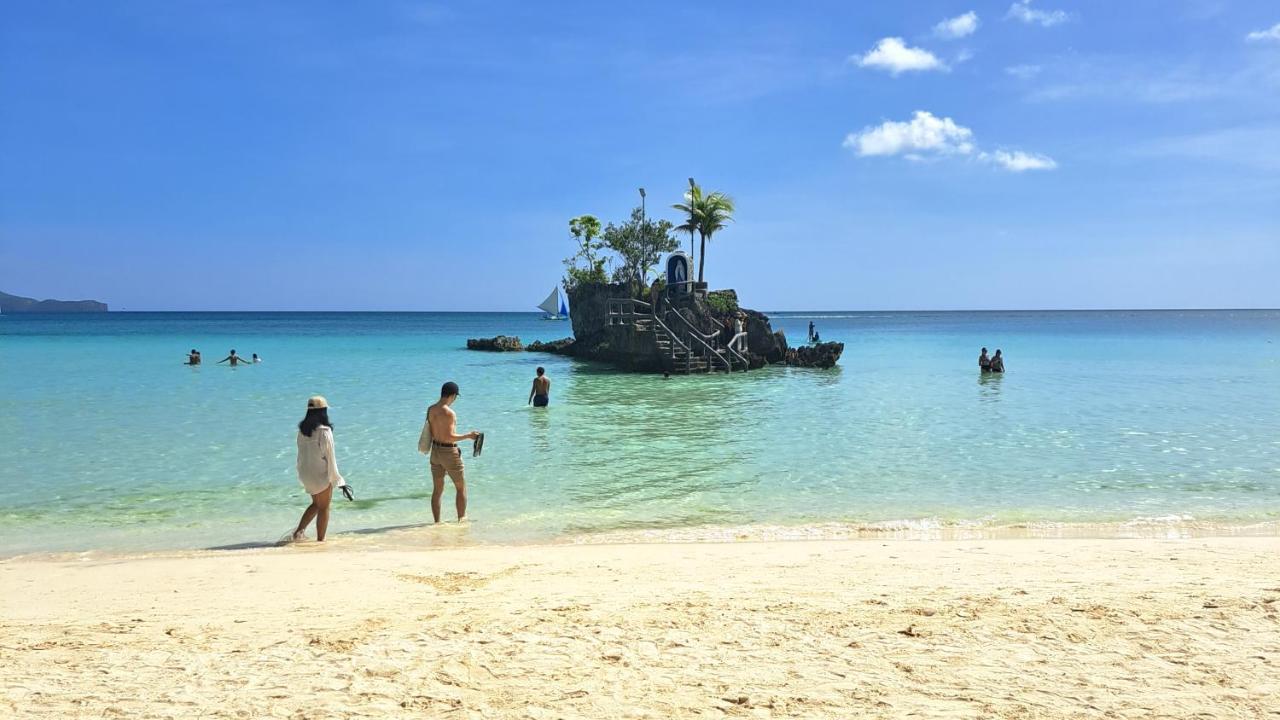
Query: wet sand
[(1026, 628)]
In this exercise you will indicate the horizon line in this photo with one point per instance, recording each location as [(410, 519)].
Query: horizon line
[(808, 310)]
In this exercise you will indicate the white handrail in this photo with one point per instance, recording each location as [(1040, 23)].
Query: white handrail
[(695, 333)]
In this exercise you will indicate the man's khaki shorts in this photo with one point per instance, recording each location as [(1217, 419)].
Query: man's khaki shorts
[(446, 461)]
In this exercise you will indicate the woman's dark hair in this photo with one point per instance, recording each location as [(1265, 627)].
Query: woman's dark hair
[(314, 419)]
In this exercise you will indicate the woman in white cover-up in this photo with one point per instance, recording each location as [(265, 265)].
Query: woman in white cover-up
[(317, 466)]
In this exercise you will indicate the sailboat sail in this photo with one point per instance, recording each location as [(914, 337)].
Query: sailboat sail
[(563, 310), (552, 303)]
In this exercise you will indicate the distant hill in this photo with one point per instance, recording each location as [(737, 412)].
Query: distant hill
[(13, 304)]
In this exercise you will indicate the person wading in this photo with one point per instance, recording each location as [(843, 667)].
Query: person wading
[(317, 466), (439, 440), (540, 393)]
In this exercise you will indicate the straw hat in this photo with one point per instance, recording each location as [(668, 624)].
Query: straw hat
[(317, 402)]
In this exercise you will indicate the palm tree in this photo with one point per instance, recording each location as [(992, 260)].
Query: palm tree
[(716, 212), (692, 208)]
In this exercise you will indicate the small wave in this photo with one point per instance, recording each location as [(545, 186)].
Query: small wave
[(1160, 527)]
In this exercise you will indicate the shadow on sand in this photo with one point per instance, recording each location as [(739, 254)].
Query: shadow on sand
[(264, 544)]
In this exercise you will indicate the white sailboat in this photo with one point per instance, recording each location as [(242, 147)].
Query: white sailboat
[(554, 306)]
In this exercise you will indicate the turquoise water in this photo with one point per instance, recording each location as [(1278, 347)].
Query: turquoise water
[(109, 442)]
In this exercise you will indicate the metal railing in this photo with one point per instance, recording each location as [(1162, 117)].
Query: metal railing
[(696, 334), (675, 341), (623, 310), (733, 349)]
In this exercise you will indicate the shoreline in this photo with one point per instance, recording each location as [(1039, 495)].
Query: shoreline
[(450, 535), (1011, 628)]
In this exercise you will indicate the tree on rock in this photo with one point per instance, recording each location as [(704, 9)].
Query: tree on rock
[(640, 244), (585, 229), (706, 213)]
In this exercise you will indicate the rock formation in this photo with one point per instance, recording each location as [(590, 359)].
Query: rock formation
[(626, 346), (501, 343), (555, 347), (821, 355), (633, 342), (594, 338)]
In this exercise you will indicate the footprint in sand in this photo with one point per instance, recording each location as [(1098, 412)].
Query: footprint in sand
[(456, 582)]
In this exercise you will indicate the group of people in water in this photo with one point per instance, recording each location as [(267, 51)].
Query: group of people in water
[(814, 337), (317, 463), (193, 358), (994, 364)]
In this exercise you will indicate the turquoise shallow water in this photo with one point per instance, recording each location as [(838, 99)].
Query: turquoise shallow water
[(1104, 418)]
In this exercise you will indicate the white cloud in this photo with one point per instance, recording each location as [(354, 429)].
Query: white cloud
[(957, 27), (1018, 161), (1269, 35), (1023, 72), (927, 136), (893, 55), (925, 133), (1022, 10)]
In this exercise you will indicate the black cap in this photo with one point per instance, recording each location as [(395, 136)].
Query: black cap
[(449, 388)]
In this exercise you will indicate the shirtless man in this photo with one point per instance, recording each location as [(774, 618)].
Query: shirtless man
[(440, 440), (540, 394), (234, 358), (194, 357)]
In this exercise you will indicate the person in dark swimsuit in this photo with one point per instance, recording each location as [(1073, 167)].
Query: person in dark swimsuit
[(540, 394), (984, 362), (194, 357), (997, 362)]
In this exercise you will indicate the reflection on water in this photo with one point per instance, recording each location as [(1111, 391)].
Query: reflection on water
[(540, 429), (642, 441), (989, 386)]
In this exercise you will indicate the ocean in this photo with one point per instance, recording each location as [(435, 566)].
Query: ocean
[(1106, 423)]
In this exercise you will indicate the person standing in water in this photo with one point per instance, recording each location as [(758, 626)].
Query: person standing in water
[(997, 362), (810, 331), (439, 440), (194, 357), (540, 394), (317, 466), (234, 358), (984, 362), (256, 359)]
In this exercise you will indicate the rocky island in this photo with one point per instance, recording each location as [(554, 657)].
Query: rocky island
[(683, 334), (14, 304), (669, 323)]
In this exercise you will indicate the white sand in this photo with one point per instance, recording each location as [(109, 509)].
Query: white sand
[(964, 629)]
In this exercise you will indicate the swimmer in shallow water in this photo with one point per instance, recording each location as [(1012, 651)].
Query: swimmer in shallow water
[(234, 358), (540, 394), (997, 362), (984, 362), (193, 358)]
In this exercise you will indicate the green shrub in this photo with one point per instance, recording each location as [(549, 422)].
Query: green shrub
[(722, 303)]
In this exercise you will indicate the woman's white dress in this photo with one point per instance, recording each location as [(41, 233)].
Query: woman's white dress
[(317, 465)]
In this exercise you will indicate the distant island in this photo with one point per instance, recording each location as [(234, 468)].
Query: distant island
[(14, 304)]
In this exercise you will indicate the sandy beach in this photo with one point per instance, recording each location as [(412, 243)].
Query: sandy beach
[(963, 629)]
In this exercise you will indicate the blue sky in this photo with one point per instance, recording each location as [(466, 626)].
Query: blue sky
[(427, 156)]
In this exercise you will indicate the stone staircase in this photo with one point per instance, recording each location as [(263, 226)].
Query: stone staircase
[(681, 353)]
